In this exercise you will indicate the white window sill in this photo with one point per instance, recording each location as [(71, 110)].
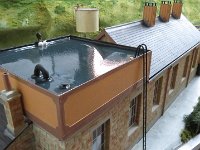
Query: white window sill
[(131, 130), (193, 68), (183, 79), (154, 107), (171, 91)]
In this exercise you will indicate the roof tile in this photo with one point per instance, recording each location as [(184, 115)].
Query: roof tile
[(168, 41)]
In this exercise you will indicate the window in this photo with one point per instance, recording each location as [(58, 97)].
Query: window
[(186, 66), (194, 58), (173, 78), (157, 91), (133, 111), (99, 137)]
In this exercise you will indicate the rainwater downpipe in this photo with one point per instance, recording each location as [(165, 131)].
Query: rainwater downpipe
[(143, 48), (6, 82)]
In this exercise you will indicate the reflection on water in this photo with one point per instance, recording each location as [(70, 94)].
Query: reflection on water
[(68, 62)]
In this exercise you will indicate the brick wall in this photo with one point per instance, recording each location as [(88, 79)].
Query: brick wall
[(135, 133), (154, 112), (181, 82), (193, 70), (46, 141)]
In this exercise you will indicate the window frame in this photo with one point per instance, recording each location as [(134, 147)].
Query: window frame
[(101, 131), (134, 108), (186, 66), (173, 77), (194, 61), (157, 91)]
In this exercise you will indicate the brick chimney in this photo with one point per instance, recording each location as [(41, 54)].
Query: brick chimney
[(11, 100), (177, 9), (149, 14), (165, 10)]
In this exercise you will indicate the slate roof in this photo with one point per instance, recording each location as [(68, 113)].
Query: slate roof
[(167, 41)]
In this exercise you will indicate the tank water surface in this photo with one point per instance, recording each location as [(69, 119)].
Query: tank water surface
[(69, 62)]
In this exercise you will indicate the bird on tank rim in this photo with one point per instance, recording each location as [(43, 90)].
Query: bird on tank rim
[(39, 42)]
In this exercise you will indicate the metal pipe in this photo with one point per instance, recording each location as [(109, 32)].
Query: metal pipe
[(6, 82), (144, 50)]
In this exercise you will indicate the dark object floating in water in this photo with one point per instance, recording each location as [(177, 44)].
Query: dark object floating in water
[(41, 74), (64, 86)]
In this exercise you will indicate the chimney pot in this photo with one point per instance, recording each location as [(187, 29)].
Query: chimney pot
[(177, 9), (165, 10), (149, 14)]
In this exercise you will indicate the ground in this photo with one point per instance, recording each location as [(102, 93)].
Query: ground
[(164, 135)]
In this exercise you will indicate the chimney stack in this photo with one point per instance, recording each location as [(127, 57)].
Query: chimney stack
[(177, 9), (165, 10), (149, 14)]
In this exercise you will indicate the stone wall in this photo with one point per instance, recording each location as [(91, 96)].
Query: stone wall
[(155, 111), (45, 140), (181, 82), (193, 70)]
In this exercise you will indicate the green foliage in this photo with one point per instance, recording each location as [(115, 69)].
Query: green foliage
[(57, 18), (16, 3), (185, 136), (59, 9), (192, 123)]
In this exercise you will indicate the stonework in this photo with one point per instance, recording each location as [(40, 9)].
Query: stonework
[(154, 112), (181, 82)]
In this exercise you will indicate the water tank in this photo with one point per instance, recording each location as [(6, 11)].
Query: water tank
[(87, 20)]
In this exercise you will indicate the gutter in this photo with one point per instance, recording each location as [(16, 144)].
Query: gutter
[(168, 65)]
